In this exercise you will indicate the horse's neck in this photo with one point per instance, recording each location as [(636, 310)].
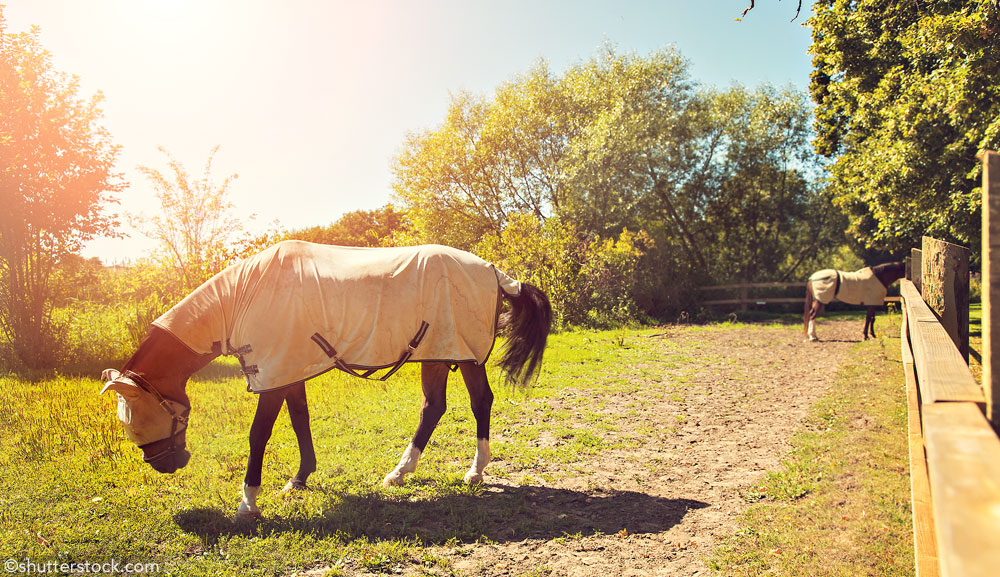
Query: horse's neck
[(166, 363), (890, 275)]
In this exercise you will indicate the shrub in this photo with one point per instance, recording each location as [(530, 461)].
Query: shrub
[(588, 279)]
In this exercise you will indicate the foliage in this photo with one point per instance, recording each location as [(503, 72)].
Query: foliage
[(907, 96), (489, 160), (56, 179), (371, 228), (589, 280), (765, 214), (196, 222), (724, 182)]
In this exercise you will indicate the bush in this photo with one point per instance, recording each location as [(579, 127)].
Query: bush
[(589, 280)]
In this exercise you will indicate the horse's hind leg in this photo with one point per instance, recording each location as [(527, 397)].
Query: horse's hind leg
[(298, 411), (481, 397), (811, 315), (812, 310), (434, 381), (870, 323), (268, 406)]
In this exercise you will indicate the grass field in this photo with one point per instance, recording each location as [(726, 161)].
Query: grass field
[(75, 490)]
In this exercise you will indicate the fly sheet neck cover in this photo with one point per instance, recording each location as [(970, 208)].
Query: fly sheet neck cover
[(295, 309), (860, 287)]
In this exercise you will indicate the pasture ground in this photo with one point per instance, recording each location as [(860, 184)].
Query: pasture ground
[(733, 449)]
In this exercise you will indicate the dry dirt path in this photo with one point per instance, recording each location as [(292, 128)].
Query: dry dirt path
[(659, 505)]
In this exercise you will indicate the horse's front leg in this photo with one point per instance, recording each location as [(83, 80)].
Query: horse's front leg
[(298, 411), (481, 397), (268, 406), (434, 382)]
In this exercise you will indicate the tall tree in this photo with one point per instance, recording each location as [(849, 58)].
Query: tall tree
[(544, 145), (57, 178), (723, 182), (490, 159), (907, 95), (766, 215), (196, 224)]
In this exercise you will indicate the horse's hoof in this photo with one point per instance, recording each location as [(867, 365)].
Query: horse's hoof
[(294, 485), (812, 340), (393, 479), (244, 512), (472, 477)]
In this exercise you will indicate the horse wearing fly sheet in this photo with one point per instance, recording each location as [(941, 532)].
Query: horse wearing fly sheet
[(865, 287), (299, 309)]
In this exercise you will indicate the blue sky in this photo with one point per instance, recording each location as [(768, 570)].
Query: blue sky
[(310, 100)]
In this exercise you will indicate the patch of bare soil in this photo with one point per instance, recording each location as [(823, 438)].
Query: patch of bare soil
[(692, 446)]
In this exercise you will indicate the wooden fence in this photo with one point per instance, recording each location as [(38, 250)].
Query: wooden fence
[(745, 299), (954, 449)]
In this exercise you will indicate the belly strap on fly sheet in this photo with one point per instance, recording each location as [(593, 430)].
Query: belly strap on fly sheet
[(339, 363)]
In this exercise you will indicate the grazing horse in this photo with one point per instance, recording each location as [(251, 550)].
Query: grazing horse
[(299, 309), (865, 287)]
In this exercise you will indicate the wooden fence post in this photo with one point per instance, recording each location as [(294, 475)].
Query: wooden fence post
[(945, 272), (916, 268), (991, 283)]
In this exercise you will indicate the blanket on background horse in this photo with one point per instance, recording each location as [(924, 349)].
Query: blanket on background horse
[(861, 287), (298, 309)]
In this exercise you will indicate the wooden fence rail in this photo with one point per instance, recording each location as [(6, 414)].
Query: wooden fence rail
[(745, 299), (954, 452), (954, 449)]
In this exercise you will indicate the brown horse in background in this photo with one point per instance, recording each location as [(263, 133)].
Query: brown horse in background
[(866, 287)]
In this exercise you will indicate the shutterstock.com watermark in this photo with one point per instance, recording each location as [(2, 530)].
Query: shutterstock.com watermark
[(112, 567)]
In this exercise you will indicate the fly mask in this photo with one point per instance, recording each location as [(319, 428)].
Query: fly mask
[(149, 419)]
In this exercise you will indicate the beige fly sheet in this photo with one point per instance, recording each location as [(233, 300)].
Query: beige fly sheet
[(861, 287), (298, 309)]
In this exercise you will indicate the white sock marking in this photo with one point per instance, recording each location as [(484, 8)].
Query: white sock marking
[(407, 464), (475, 473), (248, 504)]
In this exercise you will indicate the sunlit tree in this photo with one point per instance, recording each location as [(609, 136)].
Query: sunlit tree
[(907, 95), (57, 179)]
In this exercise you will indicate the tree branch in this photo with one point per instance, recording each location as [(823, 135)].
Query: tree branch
[(797, 10)]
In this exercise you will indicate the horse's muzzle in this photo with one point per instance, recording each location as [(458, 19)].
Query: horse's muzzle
[(170, 461)]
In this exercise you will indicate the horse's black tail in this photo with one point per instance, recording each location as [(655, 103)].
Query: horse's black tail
[(526, 326)]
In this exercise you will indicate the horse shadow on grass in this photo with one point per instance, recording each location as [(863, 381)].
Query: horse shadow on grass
[(499, 514)]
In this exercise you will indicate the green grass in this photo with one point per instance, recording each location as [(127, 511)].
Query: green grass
[(74, 488), (839, 505)]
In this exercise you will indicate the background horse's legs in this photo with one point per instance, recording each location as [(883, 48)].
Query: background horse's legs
[(481, 397), (434, 381), (812, 309), (268, 406), (811, 314), (870, 322), (298, 411)]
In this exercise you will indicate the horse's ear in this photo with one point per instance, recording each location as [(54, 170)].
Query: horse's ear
[(127, 390)]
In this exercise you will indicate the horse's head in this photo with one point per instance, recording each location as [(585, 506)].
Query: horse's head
[(890, 272), (156, 424)]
